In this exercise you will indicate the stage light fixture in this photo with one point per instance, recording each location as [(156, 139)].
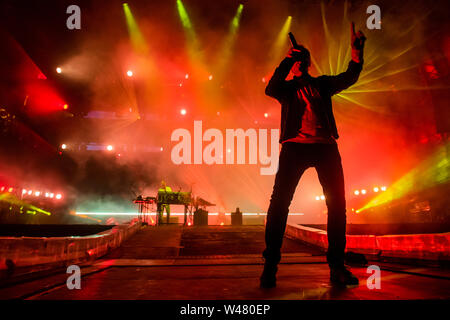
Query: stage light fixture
[(162, 149), (186, 76), (30, 192), (37, 193), (322, 197), (46, 194), (10, 189), (317, 198), (66, 106), (266, 115), (2, 189), (363, 191), (183, 112), (376, 189), (52, 195), (356, 192), (64, 146), (210, 77), (129, 73), (59, 70), (58, 196), (109, 147), (383, 188)]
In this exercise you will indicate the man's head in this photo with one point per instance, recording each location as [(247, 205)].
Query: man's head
[(303, 61)]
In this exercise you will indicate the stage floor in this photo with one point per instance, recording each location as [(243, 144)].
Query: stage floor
[(224, 262)]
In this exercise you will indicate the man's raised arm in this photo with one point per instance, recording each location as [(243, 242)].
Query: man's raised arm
[(345, 79)]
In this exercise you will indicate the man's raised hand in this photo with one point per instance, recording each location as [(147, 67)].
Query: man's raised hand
[(357, 42)]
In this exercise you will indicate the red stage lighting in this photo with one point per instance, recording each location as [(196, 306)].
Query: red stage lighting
[(66, 106)]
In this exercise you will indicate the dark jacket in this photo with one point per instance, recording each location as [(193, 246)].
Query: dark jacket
[(292, 107)]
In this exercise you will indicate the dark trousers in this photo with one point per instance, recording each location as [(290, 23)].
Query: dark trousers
[(295, 158)]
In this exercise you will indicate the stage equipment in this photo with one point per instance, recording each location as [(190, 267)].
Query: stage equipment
[(190, 204)]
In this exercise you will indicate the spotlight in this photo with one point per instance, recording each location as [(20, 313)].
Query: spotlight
[(24, 191), (52, 195), (363, 191), (2, 189), (317, 198), (37, 193), (186, 76), (183, 112), (210, 77), (64, 146), (221, 223), (376, 189), (30, 192), (356, 192), (66, 106), (383, 188), (46, 194), (59, 70), (58, 196), (10, 189), (162, 149), (266, 115), (129, 73), (109, 148), (180, 84), (322, 197), (263, 79)]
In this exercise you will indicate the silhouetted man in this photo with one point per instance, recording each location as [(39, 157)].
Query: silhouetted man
[(308, 135), (162, 192)]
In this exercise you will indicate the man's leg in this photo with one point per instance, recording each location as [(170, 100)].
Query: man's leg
[(168, 213), (331, 177), (290, 169), (159, 210)]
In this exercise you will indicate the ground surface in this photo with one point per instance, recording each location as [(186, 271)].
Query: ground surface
[(223, 262)]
